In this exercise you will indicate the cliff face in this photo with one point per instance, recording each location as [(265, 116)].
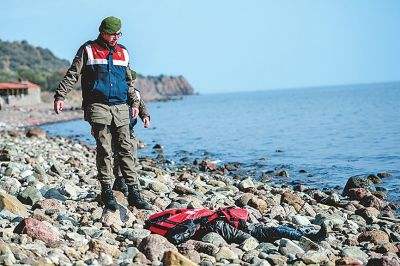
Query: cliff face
[(163, 87)]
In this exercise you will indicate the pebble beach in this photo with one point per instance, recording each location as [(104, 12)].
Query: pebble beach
[(50, 212)]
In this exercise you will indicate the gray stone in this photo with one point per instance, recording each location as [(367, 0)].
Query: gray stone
[(249, 244), (134, 234), (214, 238), (287, 247), (300, 220), (11, 185), (30, 195), (128, 255), (355, 253), (226, 253), (246, 183)]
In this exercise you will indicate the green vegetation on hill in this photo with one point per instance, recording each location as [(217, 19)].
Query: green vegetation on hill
[(21, 60)]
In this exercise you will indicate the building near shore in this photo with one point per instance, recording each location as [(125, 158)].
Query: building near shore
[(21, 93)]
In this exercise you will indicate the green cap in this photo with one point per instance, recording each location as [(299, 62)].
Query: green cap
[(110, 25)]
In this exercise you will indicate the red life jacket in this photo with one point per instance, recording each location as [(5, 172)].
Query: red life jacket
[(161, 223)]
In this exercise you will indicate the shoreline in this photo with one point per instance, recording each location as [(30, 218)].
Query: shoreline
[(54, 177)]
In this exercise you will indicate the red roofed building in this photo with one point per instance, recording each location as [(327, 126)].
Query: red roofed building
[(19, 93)]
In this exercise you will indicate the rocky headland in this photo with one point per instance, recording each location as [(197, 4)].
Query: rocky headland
[(50, 213)]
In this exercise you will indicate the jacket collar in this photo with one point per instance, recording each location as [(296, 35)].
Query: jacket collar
[(102, 43)]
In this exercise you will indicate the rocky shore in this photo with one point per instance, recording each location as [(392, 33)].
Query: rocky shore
[(50, 213)]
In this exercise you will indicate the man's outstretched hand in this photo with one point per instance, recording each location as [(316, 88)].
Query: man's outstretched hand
[(58, 106), (135, 112), (146, 122)]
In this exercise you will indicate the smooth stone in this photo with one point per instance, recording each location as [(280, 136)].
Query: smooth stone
[(287, 247), (354, 252), (12, 204), (249, 244), (246, 183), (30, 195), (154, 246), (174, 258), (300, 220), (226, 253), (10, 185), (214, 238), (53, 193), (39, 230)]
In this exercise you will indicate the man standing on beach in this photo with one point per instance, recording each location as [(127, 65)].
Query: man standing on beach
[(107, 90)]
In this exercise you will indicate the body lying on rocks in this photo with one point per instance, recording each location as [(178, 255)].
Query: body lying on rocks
[(231, 223)]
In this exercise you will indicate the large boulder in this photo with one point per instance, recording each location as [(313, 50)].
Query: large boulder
[(358, 182)]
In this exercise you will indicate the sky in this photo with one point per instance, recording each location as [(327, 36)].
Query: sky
[(227, 45)]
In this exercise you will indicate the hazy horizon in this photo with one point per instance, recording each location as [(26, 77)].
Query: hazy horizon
[(228, 46)]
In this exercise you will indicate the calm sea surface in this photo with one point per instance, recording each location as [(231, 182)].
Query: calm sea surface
[(332, 133)]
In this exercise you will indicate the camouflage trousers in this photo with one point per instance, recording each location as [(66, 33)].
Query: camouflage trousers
[(117, 168), (112, 139)]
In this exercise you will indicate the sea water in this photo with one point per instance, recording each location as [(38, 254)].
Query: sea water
[(330, 132)]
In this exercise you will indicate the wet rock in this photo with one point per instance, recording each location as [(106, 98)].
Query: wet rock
[(12, 204), (372, 201), (158, 147), (154, 247), (358, 193), (374, 179), (39, 230), (358, 182), (206, 165), (214, 238), (36, 132), (374, 236), (97, 246), (369, 214), (383, 174), (174, 258), (282, 173), (30, 195), (355, 253), (292, 199)]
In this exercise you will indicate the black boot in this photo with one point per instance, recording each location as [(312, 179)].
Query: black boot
[(108, 198), (120, 185), (134, 199)]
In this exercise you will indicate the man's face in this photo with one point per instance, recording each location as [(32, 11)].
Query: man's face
[(111, 39)]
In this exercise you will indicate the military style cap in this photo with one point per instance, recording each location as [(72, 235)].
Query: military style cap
[(110, 25)]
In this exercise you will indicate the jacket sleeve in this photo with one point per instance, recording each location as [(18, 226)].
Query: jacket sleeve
[(72, 75), (143, 112), (133, 100)]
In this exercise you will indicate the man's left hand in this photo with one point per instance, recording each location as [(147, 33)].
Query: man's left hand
[(135, 112), (146, 122)]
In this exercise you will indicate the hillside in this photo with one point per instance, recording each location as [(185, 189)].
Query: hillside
[(21, 60)]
